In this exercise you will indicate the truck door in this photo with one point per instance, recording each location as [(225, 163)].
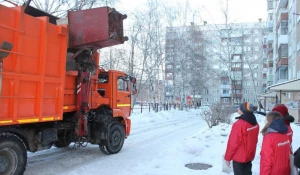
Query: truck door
[(123, 95)]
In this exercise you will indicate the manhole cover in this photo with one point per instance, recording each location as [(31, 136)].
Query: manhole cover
[(198, 166)]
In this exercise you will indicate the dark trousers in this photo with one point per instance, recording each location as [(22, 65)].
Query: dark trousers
[(242, 168)]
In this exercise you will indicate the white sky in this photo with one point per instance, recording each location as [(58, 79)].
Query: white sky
[(239, 10), (160, 144)]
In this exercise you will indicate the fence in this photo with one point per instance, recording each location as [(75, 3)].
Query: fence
[(156, 107)]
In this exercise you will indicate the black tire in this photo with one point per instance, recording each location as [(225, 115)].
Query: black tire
[(13, 155), (115, 140), (65, 139)]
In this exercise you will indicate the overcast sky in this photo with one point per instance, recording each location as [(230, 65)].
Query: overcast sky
[(239, 10)]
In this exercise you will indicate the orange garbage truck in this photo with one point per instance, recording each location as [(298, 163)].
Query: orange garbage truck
[(52, 90)]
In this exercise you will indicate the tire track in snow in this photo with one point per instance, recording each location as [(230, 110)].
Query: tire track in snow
[(143, 140)]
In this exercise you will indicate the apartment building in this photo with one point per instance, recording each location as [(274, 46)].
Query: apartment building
[(283, 43), (228, 59)]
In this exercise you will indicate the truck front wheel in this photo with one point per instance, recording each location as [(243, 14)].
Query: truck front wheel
[(115, 141), (13, 155)]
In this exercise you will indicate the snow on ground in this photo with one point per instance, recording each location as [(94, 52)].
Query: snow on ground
[(160, 144)]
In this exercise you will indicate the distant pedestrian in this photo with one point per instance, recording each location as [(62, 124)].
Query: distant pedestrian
[(275, 151), (241, 146), (283, 110), (258, 112)]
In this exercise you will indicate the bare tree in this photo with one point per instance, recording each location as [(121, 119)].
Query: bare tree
[(228, 41), (60, 7), (210, 117), (222, 113), (216, 114)]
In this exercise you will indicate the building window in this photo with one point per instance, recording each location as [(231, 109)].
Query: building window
[(245, 83), (245, 100), (225, 82), (255, 83), (225, 91), (205, 99), (256, 49), (206, 91), (236, 100), (246, 66), (236, 82), (255, 75), (225, 100), (236, 65), (237, 91), (256, 40), (216, 91)]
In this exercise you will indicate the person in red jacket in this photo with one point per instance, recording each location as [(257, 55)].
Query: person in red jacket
[(283, 110), (275, 151), (241, 146)]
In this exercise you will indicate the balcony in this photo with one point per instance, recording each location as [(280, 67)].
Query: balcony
[(264, 75), (270, 63), (270, 26), (282, 4), (281, 75), (270, 50), (282, 40), (225, 86), (237, 95), (169, 76), (264, 46), (270, 38), (265, 65), (282, 14), (270, 78), (270, 56), (282, 63), (270, 5), (283, 51), (225, 95), (236, 68), (264, 85), (269, 83), (169, 68), (224, 77), (237, 86)]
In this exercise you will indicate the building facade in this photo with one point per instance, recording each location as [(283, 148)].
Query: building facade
[(283, 43), (222, 63)]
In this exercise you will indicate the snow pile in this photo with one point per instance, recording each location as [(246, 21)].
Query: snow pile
[(162, 116), (209, 145)]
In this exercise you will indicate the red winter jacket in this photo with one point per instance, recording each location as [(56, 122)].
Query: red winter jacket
[(290, 133), (242, 141), (275, 154)]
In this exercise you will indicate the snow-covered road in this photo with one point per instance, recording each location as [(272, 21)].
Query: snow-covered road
[(147, 151)]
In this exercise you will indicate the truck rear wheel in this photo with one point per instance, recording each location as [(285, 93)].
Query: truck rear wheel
[(13, 155), (115, 140), (64, 139)]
